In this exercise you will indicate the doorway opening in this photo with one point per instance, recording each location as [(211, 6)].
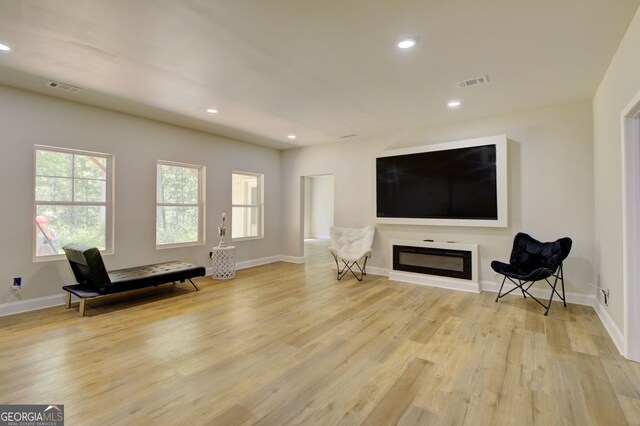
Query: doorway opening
[(317, 213)]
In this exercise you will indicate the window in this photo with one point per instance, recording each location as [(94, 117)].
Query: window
[(180, 204), (246, 205), (73, 200)]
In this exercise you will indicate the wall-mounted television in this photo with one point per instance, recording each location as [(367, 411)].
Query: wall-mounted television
[(462, 183)]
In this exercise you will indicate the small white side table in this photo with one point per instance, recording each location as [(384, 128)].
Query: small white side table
[(224, 262)]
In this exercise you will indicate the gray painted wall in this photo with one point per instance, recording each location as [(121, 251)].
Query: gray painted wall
[(27, 119)]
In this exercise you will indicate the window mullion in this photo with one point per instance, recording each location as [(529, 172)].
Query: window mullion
[(73, 203), (71, 220), (73, 177), (247, 187), (176, 181), (177, 205)]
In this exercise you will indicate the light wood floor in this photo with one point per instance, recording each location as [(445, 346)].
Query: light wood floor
[(288, 344)]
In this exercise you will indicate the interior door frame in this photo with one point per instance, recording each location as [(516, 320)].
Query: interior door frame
[(631, 227)]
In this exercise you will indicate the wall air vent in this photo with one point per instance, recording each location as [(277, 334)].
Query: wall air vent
[(473, 82), (65, 87)]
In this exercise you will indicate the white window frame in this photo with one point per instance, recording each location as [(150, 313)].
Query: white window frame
[(108, 203), (259, 205), (201, 205)]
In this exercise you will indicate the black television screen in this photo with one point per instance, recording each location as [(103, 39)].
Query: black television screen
[(458, 183)]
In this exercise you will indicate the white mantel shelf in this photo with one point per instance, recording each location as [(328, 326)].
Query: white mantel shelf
[(472, 285)]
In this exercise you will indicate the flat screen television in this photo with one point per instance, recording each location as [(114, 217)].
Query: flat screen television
[(454, 184)]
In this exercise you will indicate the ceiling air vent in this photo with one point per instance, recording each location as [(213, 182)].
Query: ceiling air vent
[(351, 135), (473, 82), (65, 87)]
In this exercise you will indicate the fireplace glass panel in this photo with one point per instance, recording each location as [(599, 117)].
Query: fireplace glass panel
[(432, 261)]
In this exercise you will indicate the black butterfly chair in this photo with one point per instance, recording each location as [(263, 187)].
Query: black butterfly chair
[(531, 261)]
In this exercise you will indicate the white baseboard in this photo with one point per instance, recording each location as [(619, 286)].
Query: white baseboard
[(21, 306), (291, 259), (257, 262), (541, 293), (262, 261), (320, 237), (374, 270), (266, 260), (614, 332)]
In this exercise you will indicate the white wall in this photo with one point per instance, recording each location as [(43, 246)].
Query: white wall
[(550, 186), (321, 206), (620, 84), (27, 119)]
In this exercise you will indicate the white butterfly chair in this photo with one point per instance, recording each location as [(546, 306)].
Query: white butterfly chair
[(350, 245)]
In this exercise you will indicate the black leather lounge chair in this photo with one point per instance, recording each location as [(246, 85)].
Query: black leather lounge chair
[(94, 280)]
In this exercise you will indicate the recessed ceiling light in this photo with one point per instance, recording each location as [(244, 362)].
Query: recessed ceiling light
[(4, 47), (212, 111), (291, 136), (454, 104), (407, 44)]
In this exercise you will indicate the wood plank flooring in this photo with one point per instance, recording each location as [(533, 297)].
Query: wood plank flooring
[(288, 344)]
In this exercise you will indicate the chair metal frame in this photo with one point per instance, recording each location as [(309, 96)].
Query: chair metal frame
[(348, 268), (557, 275)]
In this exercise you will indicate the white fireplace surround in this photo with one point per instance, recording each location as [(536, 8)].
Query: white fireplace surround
[(472, 285)]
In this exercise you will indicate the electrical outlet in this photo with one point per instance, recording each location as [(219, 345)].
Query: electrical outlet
[(17, 283)]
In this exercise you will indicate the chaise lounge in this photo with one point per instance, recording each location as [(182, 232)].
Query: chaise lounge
[(94, 280)]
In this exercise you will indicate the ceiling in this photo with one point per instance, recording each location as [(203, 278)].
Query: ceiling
[(318, 69)]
